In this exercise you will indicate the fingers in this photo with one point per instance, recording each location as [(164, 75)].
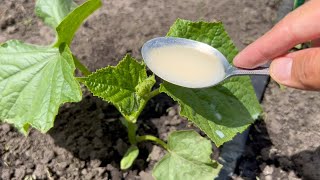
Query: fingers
[(299, 26), (300, 69)]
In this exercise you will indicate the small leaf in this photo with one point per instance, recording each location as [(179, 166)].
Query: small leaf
[(52, 12), (221, 111), (34, 82), (145, 86), (70, 24), (188, 157), (130, 156), (125, 86)]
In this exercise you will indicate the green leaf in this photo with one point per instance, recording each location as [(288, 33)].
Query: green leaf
[(188, 157), (216, 111), (34, 82), (126, 86), (213, 34), (52, 12), (70, 24), (221, 111), (130, 156)]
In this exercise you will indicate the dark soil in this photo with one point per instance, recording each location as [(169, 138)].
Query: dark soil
[(88, 140), (286, 145)]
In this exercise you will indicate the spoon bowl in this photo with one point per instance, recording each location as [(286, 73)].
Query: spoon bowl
[(164, 42)]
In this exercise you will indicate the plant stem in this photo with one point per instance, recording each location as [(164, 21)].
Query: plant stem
[(152, 94), (84, 70), (132, 128), (154, 139)]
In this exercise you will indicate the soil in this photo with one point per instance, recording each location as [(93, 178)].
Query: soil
[(286, 145), (88, 140)]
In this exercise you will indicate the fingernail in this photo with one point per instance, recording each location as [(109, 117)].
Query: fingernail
[(236, 61), (241, 62), (280, 69)]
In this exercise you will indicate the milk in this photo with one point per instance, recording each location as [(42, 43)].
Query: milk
[(186, 66)]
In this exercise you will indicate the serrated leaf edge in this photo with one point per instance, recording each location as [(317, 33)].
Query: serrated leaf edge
[(28, 124), (83, 79), (168, 155)]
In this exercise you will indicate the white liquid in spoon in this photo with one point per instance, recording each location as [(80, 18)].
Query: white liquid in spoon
[(186, 66)]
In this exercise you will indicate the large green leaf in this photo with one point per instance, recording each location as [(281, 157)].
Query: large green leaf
[(52, 12), (70, 24), (221, 111), (126, 86), (188, 158), (34, 82)]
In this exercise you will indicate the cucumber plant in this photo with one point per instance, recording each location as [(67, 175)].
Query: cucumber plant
[(36, 80)]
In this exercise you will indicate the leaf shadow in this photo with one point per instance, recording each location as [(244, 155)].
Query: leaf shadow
[(259, 154), (92, 131)]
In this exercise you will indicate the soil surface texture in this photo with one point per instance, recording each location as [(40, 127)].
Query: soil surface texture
[(286, 145), (88, 140)]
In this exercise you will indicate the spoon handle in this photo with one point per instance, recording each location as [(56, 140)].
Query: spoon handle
[(257, 71)]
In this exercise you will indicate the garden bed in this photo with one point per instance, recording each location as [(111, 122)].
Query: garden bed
[(88, 140)]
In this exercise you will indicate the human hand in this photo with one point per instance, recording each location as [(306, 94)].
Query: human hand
[(299, 69)]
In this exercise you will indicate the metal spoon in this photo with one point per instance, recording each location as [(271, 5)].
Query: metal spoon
[(230, 70)]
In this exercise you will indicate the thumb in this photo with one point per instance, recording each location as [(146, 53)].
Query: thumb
[(300, 69)]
